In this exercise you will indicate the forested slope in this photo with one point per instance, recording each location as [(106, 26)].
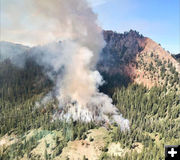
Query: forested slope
[(28, 129)]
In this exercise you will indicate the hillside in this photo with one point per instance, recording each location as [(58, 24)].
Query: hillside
[(9, 50), (14, 52), (141, 77), (139, 59)]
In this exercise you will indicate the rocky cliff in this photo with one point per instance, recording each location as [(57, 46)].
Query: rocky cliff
[(139, 58)]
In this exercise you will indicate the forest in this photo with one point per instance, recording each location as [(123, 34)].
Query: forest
[(153, 115)]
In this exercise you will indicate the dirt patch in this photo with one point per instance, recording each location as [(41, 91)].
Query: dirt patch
[(115, 149), (46, 144), (138, 147), (6, 140), (91, 147)]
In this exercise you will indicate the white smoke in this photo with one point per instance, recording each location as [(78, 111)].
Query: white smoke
[(47, 98), (76, 55)]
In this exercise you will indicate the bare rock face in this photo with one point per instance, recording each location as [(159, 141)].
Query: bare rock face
[(122, 47), (139, 58)]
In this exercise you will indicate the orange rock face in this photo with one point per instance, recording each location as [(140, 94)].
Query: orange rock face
[(140, 58)]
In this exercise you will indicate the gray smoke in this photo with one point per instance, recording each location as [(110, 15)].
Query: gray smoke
[(75, 56)]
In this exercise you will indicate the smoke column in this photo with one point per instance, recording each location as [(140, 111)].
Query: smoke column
[(74, 22)]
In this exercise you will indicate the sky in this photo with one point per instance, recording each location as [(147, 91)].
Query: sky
[(156, 19)]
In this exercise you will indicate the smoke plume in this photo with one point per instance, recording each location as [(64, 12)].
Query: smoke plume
[(73, 59)]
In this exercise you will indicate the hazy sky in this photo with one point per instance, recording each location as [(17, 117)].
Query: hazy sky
[(157, 19)]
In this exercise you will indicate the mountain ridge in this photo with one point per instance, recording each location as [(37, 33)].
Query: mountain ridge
[(129, 55), (126, 53), (28, 129)]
